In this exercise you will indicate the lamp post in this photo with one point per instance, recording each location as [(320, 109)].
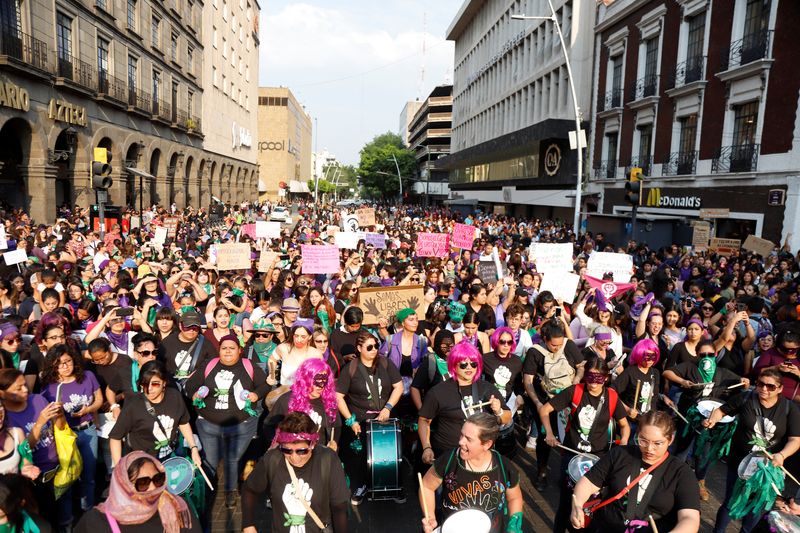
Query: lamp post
[(399, 179), (552, 18)]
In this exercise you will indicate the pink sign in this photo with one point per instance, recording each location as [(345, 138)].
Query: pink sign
[(433, 244), (249, 230), (463, 236), (320, 259)]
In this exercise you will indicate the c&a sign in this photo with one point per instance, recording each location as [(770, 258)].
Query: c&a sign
[(656, 199)]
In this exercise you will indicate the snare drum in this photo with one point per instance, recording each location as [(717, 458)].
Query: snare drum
[(706, 407), (180, 474), (384, 455), (578, 466), (468, 520)]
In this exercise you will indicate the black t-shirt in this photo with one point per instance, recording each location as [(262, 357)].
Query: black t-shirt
[(178, 355), (270, 478), (502, 372), (223, 405), (424, 380), (680, 354), (716, 388), (463, 489), (342, 344), (782, 421), (676, 488), (93, 521), (625, 385), (142, 431), (534, 364), (353, 385), (588, 427), (116, 375), (281, 408), (486, 318), (447, 405)]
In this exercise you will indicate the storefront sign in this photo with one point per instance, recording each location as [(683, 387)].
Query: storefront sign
[(722, 212), (656, 199), (14, 96), (63, 111), (552, 159), (776, 197)]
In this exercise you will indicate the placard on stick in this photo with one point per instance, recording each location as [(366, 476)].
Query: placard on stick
[(620, 265), (233, 256), (171, 223), (762, 247), (385, 302), (366, 216), (265, 260), (700, 235), (433, 244), (320, 259), (487, 271), (463, 236), (724, 246)]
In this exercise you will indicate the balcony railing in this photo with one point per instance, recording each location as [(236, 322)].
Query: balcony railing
[(687, 72), (746, 50), (111, 86), (74, 69), (181, 117), (162, 109), (606, 170), (611, 100), (645, 162), (680, 164), (738, 158), (138, 98), (24, 48), (644, 87)]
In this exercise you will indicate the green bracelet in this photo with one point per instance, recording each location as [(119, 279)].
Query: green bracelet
[(350, 421), (515, 523)]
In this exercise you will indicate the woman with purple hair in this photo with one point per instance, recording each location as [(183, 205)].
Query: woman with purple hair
[(503, 368)]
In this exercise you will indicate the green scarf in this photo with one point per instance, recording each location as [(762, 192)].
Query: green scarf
[(323, 317), (264, 350), (441, 364), (28, 525), (135, 375), (707, 367), (15, 359), (756, 495)]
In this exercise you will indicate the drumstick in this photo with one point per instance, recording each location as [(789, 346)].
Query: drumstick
[(477, 405), (782, 468), (210, 486), (775, 488), (652, 523), (675, 409), (576, 452), (740, 384), (424, 501), (636, 395)]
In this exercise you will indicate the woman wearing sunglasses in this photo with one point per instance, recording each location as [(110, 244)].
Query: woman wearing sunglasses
[(304, 481), (261, 343), (640, 383), (767, 420), (783, 358), (138, 501), (114, 328)]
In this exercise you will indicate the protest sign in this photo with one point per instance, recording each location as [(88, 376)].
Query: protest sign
[(609, 288), (724, 246), (433, 244), (3, 239), (620, 265), (134, 222), (171, 223), (249, 230), (160, 236), (330, 230), (348, 239), (487, 271), (377, 240), (350, 222), (15, 256), (265, 260), (233, 256), (552, 257), (762, 247), (387, 301), (365, 216), (700, 235), (320, 259), (268, 230), (563, 285), (463, 236)]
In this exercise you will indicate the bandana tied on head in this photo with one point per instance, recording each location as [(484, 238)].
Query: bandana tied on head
[(601, 302), (457, 311), (404, 313), (283, 437)]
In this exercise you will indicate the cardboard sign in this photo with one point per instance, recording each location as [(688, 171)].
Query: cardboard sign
[(268, 230), (552, 257), (171, 223), (715, 212), (233, 256), (563, 285), (620, 265), (3, 239), (487, 271), (387, 301), (700, 235), (762, 247), (134, 222), (160, 236), (320, 259), (15, 256), (724, 246), (265, 260), (348, 239), (433, 245), (463, 236), (330, 230), (376, 240), (366, 216)]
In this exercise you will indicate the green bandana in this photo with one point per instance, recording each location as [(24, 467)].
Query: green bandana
[(135, 375), (264, 350), (15, 359), (707, 367), (441, 364)]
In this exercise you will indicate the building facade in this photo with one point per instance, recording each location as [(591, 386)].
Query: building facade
[(406, 116), (512, 108), (429, 138), (703, 96), (284, 144)]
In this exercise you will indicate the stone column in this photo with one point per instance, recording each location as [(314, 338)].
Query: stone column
[(116, 194), (41, 193), (181, 191), (162, 191)]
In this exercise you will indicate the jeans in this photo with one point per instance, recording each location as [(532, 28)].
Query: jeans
[(87, 446), (750, 521), (227, 443)]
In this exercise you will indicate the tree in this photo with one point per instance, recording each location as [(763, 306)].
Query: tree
[(377, 167)]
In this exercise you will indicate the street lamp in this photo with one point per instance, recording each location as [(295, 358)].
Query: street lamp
[(399, 179), (554, 20)]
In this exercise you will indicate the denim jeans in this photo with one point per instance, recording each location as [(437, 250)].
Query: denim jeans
[(749, 522), (87, 446), (226, 443)]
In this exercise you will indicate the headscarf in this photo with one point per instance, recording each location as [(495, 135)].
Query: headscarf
[(128, 506)]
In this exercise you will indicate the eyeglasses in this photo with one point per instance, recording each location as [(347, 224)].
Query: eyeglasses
[(299, 451), (644, 443), (505, 342), (143, 483), (771, 387), (262, 335), (66, 363), (12, 340), (56, 338), (707, 308), (174, 271), (464, 365), (371, 347), (706, 354), (147, 353), (155, 385)]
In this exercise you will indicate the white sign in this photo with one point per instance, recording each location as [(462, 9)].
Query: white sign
[(552, 257), (3, 239), (348, 239), (620, 265), (563, 285), (15, 256), (240, 137), (268, 230), (350, 222), (161, 235)]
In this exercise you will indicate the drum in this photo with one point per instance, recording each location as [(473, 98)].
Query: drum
[(750, 464), (706, 407), (274, 394), (384, 455), (783, 522), (180, 474), (468, 520), (578, 467)]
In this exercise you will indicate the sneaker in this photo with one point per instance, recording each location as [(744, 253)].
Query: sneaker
[(358, 495), (541, 482), (531, 444), (704, 495), (400, 497), (230, 499)]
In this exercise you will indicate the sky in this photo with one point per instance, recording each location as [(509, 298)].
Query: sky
[(354, 64)]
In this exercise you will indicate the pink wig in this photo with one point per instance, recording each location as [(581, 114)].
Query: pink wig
[(304, 382), (496, 338), (641, 348), (464, 351)]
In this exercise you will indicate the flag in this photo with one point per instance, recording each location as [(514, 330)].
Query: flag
[(609, 288)]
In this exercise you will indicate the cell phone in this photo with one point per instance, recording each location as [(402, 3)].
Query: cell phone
[(558, 311), (741, 307), (125, 311), (283, 257), (58, 393)]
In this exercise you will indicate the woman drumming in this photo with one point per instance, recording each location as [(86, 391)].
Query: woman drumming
[(639, 384), (657, 484)]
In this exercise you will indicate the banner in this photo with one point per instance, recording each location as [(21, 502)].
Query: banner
[(433, 245), (700, 235), (377, 240), (762, 247), (171, 223), (365, 216), (552, 257), (160, 236), (387, 301), (320, 259), (463, 236), (609, 288), (563, 285), (233, 256), (265, 260), (15, 256), (620, 265), (724, 246), (268, 230), (348, 239), (248, 230), (487, 271)]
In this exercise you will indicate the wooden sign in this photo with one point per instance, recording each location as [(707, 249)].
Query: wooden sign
[(762, 247), (366, 216), (171, 223), (700, 235), (265, 260), (234, 256), (716, 212), (387, 301), (724, 246)]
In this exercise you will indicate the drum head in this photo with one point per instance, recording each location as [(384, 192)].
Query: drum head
[(749, 465), (705, 408), (180, 474), (579, 465), (783, 522), (471, 520)]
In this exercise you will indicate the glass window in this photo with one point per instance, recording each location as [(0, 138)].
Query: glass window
[(132, 14), (688, 134), (10, 16), (651, 59), (156, 85), (102, 57), (155, 28), (697, 28), (611, 153), (756, 18), (133, 67), (744, 123), (189, 58), (190, 102), (64, 35), (174, 47), (645, 143)]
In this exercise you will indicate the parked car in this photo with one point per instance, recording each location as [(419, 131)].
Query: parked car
[(280, 214)]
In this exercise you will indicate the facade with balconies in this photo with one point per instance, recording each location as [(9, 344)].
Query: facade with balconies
[(703, 96), (429, 138)]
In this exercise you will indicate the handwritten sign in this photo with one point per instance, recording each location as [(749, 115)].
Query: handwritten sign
[(387, 301), (248, 230), (330, 230), (366, 216), (3, 239), (160, 236), (724, 246), (268, 230), (376, 240), (463, 236), (350, 222), (265, 260), (552, 257), (563, 285), (762, 247), (700, 235), (233, 256), (348, 239), (15, 256), (171, 223), (320, 259), (433, 244), (620, 265)]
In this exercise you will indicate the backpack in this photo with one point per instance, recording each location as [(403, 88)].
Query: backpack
[(557, 373), (352, 366), (577, 395), (212, 364)]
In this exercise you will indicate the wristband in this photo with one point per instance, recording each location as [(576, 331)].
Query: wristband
[(350, 421), (515, 523), (426, 448), (194, 447), (388, 406)]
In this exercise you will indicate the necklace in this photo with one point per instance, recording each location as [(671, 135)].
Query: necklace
[(483, 469)]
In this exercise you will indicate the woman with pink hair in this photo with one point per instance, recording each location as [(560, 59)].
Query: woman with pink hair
[(451, 402), (639, 384)]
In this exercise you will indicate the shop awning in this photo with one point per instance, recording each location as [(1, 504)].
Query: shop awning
[(296, 186), (140, 173)]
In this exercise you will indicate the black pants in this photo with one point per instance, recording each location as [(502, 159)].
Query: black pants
[(542, 448), (355, 463)]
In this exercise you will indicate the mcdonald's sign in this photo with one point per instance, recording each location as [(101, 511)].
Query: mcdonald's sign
[(656, 199)]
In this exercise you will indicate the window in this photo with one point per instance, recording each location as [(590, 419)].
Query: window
[(10, 16), (214, 79), (694, 48), (756, 19), (611, 154), (224, 48), (233, 58), (190, 103), (102, 59), (64, 35), (132, 15), (651, 67), (133, 71), (247, 73), (156, 29), (174, 47), (156, 85), (189, 59), (744, 123), (224, 84), (688, 134), (214, 37), (101, 4), (224, 11), (233, 23), (233, 91), (645, 146)]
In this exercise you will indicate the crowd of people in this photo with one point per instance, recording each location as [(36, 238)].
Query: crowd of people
[(136, 373)]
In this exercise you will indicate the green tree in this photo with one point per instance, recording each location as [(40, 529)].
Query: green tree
[(377, 166)]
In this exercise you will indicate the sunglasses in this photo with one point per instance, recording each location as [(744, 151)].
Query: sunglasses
[(706, 354), (300, 451), (262, 335), (155, 385), (505, 342), (464, 365), (707, 308), (143, 483), (12, 340), (414, 279), (771, 387), (787, 351), (371, 347), (147, 353)]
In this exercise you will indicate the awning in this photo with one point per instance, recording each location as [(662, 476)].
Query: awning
[(140, 173), (296, 186)]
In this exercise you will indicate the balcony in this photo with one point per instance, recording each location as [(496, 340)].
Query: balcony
[(179, 119), (738, 158), (605, 170), (75, 70), (746, 50), (162, 111), (680, 164), (110, 86), (645, 162), (643, 88), (687, 72), (195, 126), (138, 101), (24, 49), (611, 100)]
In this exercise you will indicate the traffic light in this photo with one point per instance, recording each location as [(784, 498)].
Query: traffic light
[(101, 169), (633, 187)]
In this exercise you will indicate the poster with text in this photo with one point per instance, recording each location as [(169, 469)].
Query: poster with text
[(233, 256), (266, 259), (620, 265), (463, 236), (433, 245), (552, 256), (366, 216), (320, 259), (376, 240), (348, 239), (563, 285), (385, 302), (762, 247), (171, 223), (268, 230)]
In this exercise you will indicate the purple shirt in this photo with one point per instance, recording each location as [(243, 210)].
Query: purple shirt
[(44, 453), (75, 396)]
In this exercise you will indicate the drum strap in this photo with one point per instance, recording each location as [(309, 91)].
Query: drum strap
[(152, 412), (307, 505), (369, 380), (591, 507), (634, 504)]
